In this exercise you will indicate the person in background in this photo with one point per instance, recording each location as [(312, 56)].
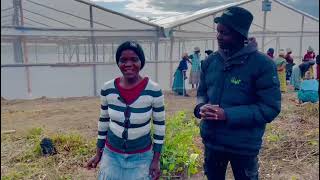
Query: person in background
[(281, 68), (270, 53), (180, 76), (195, 68), (207, 52), (309, 56), (295, 79), (318, 66), (289, 64), (253, 41), (237, 96), (129, 105), (308, 90), (306, 66)]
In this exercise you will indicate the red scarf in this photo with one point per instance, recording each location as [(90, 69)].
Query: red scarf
[(131, 94)]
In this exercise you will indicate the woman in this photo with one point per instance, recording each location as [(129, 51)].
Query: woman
[(180, 75), (298, 73), (318, 66), (128, 103), (195, 68), (308, 90), (207, 54), (253, 41), (281, 67), (295, 79), (270, 52), (308, 57), (290, 64), (306, 66)]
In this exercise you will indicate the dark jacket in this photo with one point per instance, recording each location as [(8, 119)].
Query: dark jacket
[(305, 66), (246, 86)]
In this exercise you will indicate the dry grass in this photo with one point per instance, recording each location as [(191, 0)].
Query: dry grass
[(21, 156), (290, 149), (291, 143)]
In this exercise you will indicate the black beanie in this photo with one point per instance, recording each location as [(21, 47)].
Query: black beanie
[(134, 46)]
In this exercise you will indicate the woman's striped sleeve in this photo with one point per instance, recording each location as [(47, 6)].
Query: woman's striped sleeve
[(158, 116), (104, 120)]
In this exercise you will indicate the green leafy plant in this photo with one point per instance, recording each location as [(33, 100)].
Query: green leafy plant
[(180, 153)]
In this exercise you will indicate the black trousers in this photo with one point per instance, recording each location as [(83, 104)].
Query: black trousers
[(243, 167)]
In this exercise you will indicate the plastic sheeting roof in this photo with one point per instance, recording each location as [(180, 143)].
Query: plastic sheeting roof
[(71, 14), (174, 21), (282, 17), (75, 15)]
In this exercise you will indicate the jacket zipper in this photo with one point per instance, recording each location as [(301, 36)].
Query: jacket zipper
[(222, 89)]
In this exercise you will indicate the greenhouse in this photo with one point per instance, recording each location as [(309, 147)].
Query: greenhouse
[(65, 48)]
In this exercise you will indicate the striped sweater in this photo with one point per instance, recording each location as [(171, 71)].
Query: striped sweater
[(127, 127)]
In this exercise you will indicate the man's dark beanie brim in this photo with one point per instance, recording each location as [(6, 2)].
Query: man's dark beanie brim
[(134, 46), (237, 18)]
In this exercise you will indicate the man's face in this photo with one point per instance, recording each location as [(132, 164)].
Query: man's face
[(227, 38)]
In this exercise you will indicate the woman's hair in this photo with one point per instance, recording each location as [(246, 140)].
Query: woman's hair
[(208, 52), (184, 55), (134, 46), (281, 52), (270, 50)]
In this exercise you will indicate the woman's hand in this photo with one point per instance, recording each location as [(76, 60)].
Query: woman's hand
[(94, 161), (154, 170), (281, 68)]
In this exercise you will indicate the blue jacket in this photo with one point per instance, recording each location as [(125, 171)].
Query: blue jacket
[(246, 86)]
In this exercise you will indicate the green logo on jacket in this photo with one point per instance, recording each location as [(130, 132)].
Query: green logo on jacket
[(235, 81)]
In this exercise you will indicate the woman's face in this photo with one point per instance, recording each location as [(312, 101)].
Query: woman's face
[(129, 64), (307, 75)]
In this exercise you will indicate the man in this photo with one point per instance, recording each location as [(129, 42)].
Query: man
[(238, 94)]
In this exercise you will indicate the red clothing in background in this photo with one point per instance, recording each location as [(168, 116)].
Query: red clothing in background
[(289, 59), (309, 56), (130, 95)]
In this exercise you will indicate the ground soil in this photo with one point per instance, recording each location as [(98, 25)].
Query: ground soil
[(80, 115)]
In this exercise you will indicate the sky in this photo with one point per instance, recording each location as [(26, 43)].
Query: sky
[(157, 9)]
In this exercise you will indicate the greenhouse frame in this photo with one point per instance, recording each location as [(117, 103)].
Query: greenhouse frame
[(66, 48)]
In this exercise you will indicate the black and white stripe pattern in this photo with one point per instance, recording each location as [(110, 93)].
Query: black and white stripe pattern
[(149, 107)]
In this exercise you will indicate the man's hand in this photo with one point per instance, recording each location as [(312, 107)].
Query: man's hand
[(212, 112), (154, 170)]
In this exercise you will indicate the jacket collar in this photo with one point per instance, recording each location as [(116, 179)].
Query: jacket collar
[(240, 56)]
